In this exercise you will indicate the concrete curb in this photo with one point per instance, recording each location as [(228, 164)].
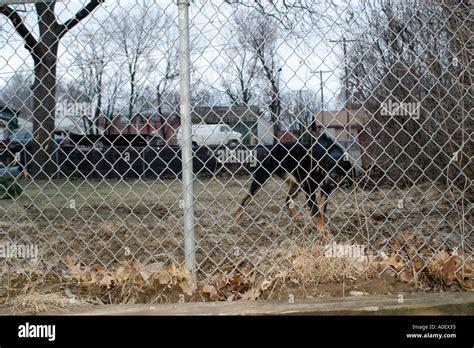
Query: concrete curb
[(449, 303)]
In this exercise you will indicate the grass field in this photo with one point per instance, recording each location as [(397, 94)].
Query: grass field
[(105, 222)]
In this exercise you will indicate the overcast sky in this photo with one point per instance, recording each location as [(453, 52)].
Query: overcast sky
[(301, 57)]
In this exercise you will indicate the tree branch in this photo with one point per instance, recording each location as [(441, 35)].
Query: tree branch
[(21, 29), (80, 15)]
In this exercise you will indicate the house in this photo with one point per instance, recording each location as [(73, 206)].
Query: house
[(347, 126), (147, 124), (8, 121), (138, 124)]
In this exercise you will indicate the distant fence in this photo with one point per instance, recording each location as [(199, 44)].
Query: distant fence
[(137, 161)]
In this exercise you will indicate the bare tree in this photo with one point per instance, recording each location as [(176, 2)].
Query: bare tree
[(201, 94), (298, 17), (240, 74), (168, 48), (113, 93), (258, 35), (301, 106), (91, 56), (134, 33), (418, 53), (44, 51), (145, 98), (17, 93), (301, 21)]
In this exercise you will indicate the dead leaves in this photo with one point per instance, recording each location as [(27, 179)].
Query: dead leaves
[(210, 291), (107, 281), (442, 265), (406, 276), (448, 271), (233, 286), (452, 269), (425, 269), (440, 270), (394, 261), (84, 277), (131, 274)]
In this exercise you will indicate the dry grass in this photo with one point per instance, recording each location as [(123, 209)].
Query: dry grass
[(141, 221), (42, 299), (37, 302)]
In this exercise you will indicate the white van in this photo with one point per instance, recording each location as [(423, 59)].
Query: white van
[(211, 134)]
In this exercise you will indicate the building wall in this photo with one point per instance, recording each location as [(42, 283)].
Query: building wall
[(340, 133), (265, 134), (259, 132)]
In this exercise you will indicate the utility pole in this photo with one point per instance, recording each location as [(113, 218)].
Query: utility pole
[(346, 76), (321, 72)]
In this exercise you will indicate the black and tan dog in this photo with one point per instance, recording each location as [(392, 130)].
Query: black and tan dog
[(322, 166)]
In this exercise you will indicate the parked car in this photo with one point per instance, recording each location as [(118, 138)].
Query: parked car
[(20, 141), (211, 134), (24, 136)]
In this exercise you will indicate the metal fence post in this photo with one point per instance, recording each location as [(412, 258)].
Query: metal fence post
[(186, 124)]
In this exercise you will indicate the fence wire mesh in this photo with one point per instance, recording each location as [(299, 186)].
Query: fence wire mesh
[(331, 149)]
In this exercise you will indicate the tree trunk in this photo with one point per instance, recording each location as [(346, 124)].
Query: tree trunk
[(98, 108), (275, 103), (43, 163), (275, 109), (131, 100), (163, 121), (44, 52)]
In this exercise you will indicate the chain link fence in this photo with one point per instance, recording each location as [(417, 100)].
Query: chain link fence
[(156, 151)]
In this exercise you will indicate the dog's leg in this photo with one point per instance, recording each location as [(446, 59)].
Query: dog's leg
[(257, 183), (319, 220), (293, 190), (240, 211), (310, 190)]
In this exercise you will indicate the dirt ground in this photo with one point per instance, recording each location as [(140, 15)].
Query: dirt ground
[(100, 228)]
